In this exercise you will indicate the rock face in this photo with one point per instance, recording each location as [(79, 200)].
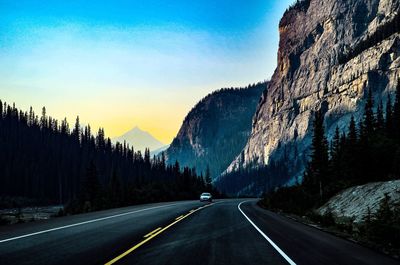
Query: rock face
[(353, 203), (216, 129), (330, 53)]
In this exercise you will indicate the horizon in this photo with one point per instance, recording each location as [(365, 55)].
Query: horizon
[(119, 64)]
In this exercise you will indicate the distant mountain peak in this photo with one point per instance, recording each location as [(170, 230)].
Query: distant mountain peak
[(140, 139)]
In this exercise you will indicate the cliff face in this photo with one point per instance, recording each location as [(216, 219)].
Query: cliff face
[(330, 53), (216, 129)]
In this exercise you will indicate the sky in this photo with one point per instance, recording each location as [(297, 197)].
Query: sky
[(119, 64)]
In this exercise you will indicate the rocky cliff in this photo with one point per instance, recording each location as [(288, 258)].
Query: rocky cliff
[(216, 129), (330, 53)]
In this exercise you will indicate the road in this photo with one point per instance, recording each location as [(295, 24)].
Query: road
[(189, 232)]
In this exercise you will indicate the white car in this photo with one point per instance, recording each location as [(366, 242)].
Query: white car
[(206, 197)]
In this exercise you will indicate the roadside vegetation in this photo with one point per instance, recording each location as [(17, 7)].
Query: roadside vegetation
[(364, 152), (44, 162)]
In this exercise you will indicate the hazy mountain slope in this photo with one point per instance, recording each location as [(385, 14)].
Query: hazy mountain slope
[(216, 129), (140, 140), (159, 150), (330, 53)]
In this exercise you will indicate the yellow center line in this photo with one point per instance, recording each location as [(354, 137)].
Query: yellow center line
[(179, 217), (154, 234)]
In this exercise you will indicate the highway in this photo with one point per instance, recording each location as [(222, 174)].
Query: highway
[(230, 232)]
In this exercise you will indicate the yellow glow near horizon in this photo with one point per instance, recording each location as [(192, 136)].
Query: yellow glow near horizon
[(162, 117)]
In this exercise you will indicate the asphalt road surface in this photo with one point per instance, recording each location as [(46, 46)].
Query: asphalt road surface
[(224, 232)]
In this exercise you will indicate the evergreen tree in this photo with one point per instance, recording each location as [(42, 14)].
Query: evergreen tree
[(380, 120), (336, 156), (31, 119), (163, 163), (369, 119), (77, 129), (317, 174), (335, 150), (177, 168), (43, 119), (91, 188), (208, 179), (351, 153), (147, 157), (389, 117), (352, 135), (384, 212), (115, 189)]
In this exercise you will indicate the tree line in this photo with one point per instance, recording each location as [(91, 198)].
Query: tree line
[(365, 152), (253, 179), (47, 161)]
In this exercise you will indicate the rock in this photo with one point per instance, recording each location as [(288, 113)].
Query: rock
[(353, 203), (216, 129), (319, 67)]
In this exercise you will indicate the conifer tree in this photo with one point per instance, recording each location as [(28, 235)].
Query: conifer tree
[(336, 156), (389, 117), (76, 132), (43, 119), (91, 188), (380, 120), (369, 119), (208, 179), (177, 168), (318, 167), (115, 189), (352, 135)]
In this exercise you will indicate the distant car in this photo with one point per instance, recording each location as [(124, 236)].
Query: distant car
[(206, 197)]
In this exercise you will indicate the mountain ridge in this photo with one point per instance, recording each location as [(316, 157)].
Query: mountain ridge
[(216, 129)]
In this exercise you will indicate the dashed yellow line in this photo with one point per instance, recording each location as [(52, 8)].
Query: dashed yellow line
[(179, 217), (153, 234)]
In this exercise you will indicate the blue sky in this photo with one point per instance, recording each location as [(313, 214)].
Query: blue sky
[(118, 64)]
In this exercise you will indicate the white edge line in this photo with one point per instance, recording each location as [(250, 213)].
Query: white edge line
[(283, 254), (85, 222)]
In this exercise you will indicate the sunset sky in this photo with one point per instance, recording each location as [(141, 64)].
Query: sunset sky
[(118, 64)]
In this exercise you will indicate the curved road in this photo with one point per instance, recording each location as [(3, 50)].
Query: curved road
[(189, 232)]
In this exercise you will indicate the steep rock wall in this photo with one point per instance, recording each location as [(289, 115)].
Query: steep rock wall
[(330, 53)]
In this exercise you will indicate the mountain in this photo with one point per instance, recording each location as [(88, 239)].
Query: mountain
[(216, 129), (330, 54), (159, 150), (140, 140)]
